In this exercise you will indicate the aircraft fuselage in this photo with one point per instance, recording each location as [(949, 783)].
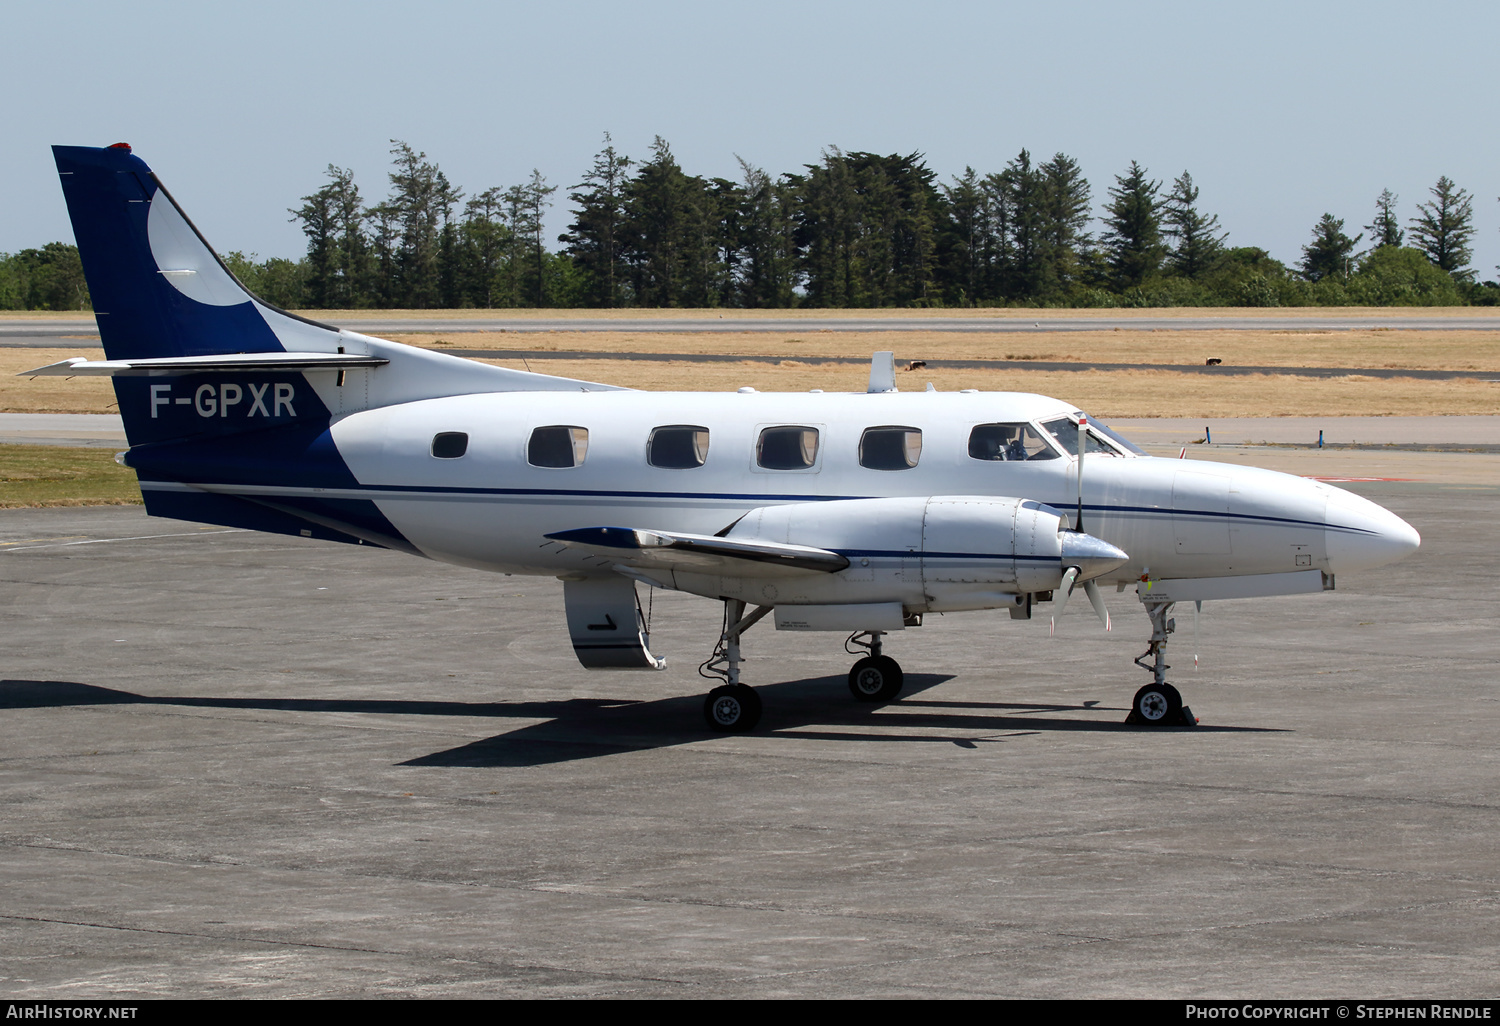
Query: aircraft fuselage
[(491, 507)]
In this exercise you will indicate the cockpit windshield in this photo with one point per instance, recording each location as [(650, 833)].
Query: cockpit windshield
[(1115, 436), (1099, 439)]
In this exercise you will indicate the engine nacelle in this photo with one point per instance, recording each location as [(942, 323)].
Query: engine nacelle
[(939, 553)]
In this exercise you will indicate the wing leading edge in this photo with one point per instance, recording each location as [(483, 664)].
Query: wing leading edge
[(701, 553)]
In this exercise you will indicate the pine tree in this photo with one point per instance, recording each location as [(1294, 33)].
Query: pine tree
[(1024, 189), (1066, 198), (1330, 251), (594, 238), (1444, 228), (1133, 223), (1386, 231), (1198, 239), (538, 197), (828, 225), (654, 201), (765, 267), (485, 239), (964, 244), (910, 224), (999, 256), (526, 261), (338, 251), (420, 207)]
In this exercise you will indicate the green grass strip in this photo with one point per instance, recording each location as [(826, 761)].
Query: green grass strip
[(63, 475)]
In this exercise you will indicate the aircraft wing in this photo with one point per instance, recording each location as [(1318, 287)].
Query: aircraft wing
[(701, 553)]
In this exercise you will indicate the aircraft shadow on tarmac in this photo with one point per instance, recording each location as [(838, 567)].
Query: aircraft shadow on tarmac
[(585, 728)]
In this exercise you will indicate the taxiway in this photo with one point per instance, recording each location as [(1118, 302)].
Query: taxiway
[(243, 765)]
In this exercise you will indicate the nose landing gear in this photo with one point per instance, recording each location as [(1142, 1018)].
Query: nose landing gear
[(1158, 704)]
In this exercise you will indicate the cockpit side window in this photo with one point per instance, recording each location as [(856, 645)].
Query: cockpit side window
[(890, 448), (787, 448), (558, 446), (1008, 443)]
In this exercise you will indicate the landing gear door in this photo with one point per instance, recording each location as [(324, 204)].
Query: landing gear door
[(606, 625)]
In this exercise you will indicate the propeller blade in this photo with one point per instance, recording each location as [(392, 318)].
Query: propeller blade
[(1097, 601), (1065, 590)]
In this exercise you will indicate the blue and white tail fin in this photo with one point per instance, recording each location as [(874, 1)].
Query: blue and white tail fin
[(195, 354), (158, 288)]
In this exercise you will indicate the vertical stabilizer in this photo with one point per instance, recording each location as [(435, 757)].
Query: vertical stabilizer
[(159, 290), (161, 293)]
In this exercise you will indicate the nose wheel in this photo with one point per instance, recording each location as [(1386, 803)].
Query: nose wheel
[(1159, 704)]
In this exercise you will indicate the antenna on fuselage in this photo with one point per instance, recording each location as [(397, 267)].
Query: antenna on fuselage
[(882, 373)]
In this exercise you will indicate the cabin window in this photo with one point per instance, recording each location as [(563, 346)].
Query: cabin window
[(890, 448), (1009, 443), (1065, 430), (787, 448), (678, 447), (558, 446), (450, 445)]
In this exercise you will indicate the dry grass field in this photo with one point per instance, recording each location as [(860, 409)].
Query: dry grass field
[(1128, 393), (957, 313), (1124, 393), (51, 395), (1377, 348)]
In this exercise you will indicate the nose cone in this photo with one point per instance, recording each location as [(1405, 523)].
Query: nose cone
[(1361, 535), (1094, 557)]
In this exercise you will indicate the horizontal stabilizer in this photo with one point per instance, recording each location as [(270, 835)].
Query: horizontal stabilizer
[(175, 365), (701, 553)]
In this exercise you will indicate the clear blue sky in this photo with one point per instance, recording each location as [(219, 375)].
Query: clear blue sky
[(1280, 110)]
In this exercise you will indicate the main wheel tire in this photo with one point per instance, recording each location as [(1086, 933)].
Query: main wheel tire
[(732, 709), (875, 679), (1158, 705)]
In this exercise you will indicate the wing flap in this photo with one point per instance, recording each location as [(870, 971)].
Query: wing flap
[(701, 553)]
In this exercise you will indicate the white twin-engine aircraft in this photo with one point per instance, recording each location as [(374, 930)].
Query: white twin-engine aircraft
[(857, 513)]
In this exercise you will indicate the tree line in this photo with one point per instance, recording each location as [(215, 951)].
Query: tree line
[(855, 229)]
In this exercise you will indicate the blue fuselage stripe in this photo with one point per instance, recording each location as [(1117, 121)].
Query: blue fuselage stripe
[(417, 491)]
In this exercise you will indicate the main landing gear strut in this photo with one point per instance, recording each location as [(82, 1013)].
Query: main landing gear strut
[(731, 707), (1158, 704), (734, 707)]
